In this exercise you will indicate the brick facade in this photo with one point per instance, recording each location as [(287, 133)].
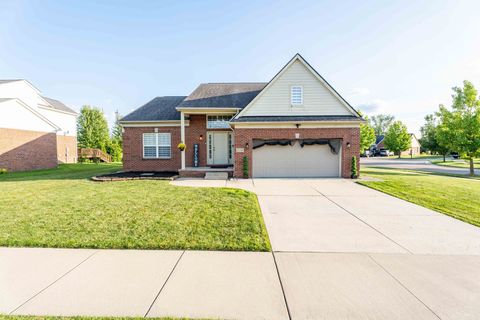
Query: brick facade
[(133, 145), (66, 149), (133, 150), (348, 135), (22, 150), (197, 126)]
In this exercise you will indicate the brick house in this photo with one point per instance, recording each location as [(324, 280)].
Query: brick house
[(36, 132), (295, 125)]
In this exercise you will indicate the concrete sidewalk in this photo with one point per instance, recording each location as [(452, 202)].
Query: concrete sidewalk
[(238, 285)]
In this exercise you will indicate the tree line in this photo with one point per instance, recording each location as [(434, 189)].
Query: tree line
[(454, 129), (93, 132)]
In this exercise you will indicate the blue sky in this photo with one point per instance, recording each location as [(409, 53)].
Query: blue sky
[(398, 57)]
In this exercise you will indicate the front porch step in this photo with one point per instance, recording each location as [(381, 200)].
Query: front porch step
[(213, 175)]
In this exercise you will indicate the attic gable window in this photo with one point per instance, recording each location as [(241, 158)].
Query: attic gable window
[(296, 95)]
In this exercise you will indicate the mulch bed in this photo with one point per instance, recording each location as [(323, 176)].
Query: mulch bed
[(134, 175)]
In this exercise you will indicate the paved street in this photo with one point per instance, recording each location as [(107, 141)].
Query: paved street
[(413, 164), (341, 251)]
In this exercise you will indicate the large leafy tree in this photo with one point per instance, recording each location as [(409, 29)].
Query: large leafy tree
[(92, 128), (381, 123), (367, 134), (397, 138), (431, 137), (460, 126)]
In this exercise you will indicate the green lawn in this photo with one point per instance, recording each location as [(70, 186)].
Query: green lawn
[(458, 197), (63, 208), (458, 163), (418, 157)]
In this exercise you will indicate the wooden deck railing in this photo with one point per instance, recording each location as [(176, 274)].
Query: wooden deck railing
[(91, 153)]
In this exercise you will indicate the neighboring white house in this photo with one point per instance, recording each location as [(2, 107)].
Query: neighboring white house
[(36, 132)]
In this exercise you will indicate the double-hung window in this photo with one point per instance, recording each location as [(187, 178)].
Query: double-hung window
[(296, 95), (157, 145)]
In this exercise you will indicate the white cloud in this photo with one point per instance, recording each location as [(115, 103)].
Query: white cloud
[(373, 106), (360, 91)]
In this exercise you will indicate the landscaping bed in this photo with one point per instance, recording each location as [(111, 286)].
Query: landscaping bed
[(135, 175), (64, 208)]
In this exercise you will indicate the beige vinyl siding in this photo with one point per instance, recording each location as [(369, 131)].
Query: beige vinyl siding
[(415, 143), (317, 99)]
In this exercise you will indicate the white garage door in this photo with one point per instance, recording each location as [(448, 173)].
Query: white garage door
[(295, 161)]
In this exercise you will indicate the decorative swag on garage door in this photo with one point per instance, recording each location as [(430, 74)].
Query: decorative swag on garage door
[(334, 144)]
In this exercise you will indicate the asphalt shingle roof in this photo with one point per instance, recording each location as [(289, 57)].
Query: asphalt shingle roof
[(379, 138), (58, 105), (160, 108), (223, 95)]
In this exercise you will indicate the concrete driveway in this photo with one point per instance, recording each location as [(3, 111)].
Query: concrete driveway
[(338, 215), (344, 251), (413, 164)]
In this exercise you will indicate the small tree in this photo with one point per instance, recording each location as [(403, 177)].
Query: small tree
[(367, 135), (114, 149), (397, 138), (114, 146), (431, 137), (460, 127), (92, 128), (117, 129), (381, 123)]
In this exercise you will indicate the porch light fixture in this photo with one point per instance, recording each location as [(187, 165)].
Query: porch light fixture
[(297, 125), (246, 145), (348, 145), (201, 137)]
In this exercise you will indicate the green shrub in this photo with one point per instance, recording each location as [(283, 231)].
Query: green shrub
[(3, 170), (114, 148), (245, 167), (354, 168)]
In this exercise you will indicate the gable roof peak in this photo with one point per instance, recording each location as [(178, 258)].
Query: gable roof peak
[(324, 82)]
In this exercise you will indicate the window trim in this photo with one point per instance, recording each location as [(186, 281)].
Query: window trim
[(157, 145), (301, 96)]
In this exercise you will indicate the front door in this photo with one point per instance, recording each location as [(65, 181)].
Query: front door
[(218, 147)]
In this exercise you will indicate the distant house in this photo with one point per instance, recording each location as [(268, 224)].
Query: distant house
[(379, 142), (414, 149), (36, 132)]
